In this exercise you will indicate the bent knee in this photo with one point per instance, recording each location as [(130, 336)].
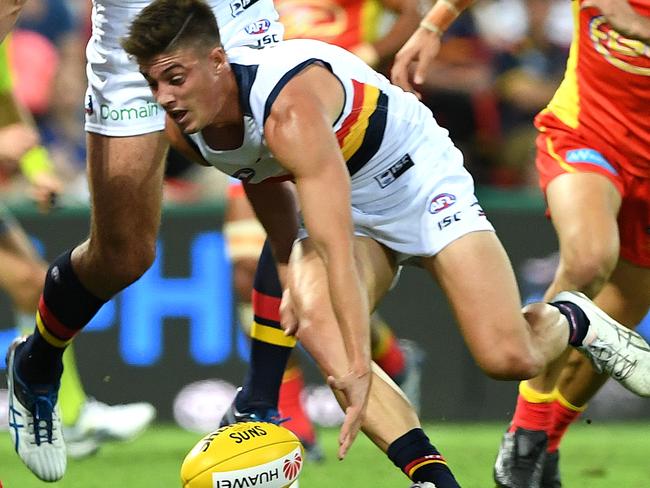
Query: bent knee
[(588, 270), (125, 261), (511, 364)]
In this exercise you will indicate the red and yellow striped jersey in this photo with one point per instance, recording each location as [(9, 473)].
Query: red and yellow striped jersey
[(605, 94)]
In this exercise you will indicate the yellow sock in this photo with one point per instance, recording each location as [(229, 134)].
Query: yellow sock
[(71, 395)]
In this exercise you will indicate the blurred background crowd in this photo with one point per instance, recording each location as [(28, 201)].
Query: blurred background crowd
[(499, 65)]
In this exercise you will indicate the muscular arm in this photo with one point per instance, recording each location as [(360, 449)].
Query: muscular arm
[(299, 133)]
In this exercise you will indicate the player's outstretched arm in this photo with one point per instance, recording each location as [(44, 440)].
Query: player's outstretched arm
[(299, 133), (424, 44), (623, 18)]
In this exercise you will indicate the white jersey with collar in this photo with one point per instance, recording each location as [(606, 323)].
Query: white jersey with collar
[(378, 126)]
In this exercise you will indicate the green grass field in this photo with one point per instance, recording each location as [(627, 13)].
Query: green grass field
[(594, 456)]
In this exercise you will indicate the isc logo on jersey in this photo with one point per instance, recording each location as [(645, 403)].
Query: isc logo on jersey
[(258, 27)]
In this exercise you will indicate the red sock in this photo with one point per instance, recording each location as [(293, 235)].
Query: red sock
[(388, 355), (564, 414), (534, 410), (290, 405)]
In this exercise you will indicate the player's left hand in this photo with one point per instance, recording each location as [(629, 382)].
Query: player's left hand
[(421, 48), (355, 387)]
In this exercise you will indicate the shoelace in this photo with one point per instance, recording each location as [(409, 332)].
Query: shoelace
[(43, 412), (273, 418), (609, 361)]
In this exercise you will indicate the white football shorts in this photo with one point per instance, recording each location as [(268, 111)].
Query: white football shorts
[(418, 204)]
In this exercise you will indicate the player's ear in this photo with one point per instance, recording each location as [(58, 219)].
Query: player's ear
[(218, 57)]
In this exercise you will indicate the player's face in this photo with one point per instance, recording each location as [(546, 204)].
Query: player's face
[(187, 85)]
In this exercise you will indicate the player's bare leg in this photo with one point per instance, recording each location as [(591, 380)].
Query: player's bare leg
[(125, 177), (390, 420), (581, 204), (476, 275)]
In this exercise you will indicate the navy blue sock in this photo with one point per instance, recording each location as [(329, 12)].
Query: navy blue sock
[(414, 454), (31, 357), (268, 356), (577, 319), (65, 307)]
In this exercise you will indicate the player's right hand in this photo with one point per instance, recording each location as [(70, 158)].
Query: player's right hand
[(355, 388), (421, 48)]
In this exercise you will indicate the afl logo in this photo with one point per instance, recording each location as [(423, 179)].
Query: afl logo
[(244, 174), (291, 467), (441, 202), (258, 27)]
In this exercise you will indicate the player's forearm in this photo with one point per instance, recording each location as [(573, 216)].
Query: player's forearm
[(351, 308), (405, 24), (443, 14)]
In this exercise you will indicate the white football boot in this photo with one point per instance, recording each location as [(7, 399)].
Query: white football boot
[(612, 348), (35, 424), (423, 484), (99, 422)]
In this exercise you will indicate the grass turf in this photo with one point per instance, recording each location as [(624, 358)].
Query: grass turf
[(594, 456)]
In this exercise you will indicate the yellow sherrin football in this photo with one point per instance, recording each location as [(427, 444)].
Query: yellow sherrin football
[(244, 455)]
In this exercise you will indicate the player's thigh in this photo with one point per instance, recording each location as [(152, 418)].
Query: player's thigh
[(626, 296), (125, 177), (319, 332), (584, 209), (475, 273)]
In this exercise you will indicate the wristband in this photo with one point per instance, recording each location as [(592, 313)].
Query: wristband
[(442, 14), (431, 28)]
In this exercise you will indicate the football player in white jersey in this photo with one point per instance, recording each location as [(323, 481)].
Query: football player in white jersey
[(379, 184), (126, 148)]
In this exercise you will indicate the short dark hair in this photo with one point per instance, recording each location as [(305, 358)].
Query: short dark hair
[(167, 25)]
